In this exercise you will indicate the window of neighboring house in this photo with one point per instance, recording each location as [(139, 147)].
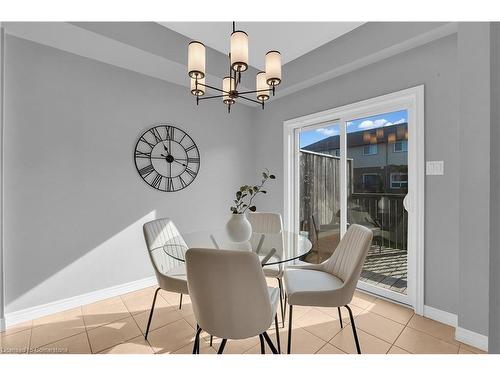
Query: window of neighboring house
[(370, 149), (335, 152), (371, 181), (399, 180), (401, 146)]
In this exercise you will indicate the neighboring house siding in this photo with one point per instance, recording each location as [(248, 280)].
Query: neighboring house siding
[(384, 163)]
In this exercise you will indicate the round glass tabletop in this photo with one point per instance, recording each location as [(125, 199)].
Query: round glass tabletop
[(272, 248)]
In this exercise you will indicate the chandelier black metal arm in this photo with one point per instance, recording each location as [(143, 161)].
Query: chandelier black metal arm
[(210, 87), (228, 93), (252, 100), (261, 103), (256, 91), (211, 97)]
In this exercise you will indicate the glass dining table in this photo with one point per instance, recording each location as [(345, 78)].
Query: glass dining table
[(272, 248)]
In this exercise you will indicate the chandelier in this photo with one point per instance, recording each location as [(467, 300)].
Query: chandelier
[(265, 84)]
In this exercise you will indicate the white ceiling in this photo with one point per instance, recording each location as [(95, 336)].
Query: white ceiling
[(292, 39)]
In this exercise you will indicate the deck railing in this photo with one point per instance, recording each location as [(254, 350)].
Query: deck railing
[(320, 197), (387, 212)]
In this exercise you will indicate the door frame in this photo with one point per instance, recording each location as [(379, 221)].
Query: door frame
[(411, 99)]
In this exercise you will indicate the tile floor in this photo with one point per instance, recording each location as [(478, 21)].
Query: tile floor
[(117, 325)]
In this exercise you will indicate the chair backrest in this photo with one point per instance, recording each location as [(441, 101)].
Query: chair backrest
[(265, 222), (269, 224), (361, 217), (228, 291), (347, 260), (159, 233)]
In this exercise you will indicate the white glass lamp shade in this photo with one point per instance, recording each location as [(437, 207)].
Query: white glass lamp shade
[(261, 84), (228, 85), (239, 51), (273, 68), (198, 89), (196, 60)]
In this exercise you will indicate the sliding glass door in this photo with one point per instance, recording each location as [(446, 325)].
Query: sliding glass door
[(354, 170), (377, 151)]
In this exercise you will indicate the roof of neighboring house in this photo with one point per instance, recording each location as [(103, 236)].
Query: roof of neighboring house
[(384, 134)]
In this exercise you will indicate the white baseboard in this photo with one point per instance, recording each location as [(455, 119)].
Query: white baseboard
[(441, 316), (471, 338), (72, 302)]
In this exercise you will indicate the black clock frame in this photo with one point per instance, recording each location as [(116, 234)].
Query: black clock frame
[(143, 139)]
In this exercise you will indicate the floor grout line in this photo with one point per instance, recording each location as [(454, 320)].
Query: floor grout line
[(62, 338), (88, 339), (123, 342), (434, 337), (29, 341)]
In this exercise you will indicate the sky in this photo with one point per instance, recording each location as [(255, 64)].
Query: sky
[(308, 137)]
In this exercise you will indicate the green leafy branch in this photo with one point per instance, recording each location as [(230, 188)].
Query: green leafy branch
[(246, 194)]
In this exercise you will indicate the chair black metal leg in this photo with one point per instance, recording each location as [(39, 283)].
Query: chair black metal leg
[(280, 284), (151, 313), (196, 346), (289, 331), (222, 345), (353, 329), (180, 303), (211, 339), (262, 348), (270, 343), (277, 333), (340, 318)]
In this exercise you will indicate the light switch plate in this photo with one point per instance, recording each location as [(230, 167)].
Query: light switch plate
[(434, 168)]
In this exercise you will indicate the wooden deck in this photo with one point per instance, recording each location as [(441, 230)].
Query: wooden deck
[(385, 267)]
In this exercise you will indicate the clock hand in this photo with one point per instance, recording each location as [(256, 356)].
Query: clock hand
[(184, 165), (151, 157), (166, 149)]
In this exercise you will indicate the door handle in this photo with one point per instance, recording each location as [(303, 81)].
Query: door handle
[(406, 203)]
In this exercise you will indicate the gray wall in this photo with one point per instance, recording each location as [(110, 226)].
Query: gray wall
[(433, 65), (474, 182), (494, 332), (74, 203)]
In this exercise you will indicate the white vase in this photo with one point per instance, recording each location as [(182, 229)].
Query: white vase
[(239, 228)]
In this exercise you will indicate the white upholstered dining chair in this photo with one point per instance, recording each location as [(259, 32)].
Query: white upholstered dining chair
[(333, 282), (230, 297), (271, 224), (170, 273)]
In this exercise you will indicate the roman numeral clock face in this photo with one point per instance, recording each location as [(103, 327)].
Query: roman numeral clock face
[(167, 158)]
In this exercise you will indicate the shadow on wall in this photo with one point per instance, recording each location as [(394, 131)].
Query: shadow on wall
[(112, 257)]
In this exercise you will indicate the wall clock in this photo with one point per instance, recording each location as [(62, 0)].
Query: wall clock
[(167, 158)]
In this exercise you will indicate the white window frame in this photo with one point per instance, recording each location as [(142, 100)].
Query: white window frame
[(370, 153), (403, 141), (393, 174), (412, 100)]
